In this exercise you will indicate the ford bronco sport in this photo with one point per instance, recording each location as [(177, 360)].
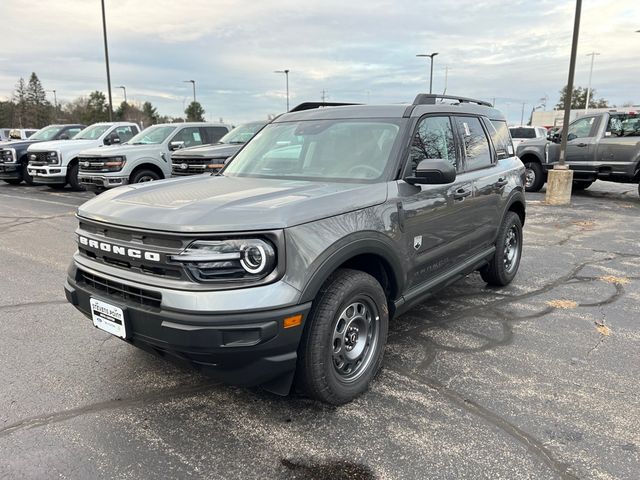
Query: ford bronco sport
[(289, 263)]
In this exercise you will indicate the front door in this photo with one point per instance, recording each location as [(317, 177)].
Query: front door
[(436, 216)]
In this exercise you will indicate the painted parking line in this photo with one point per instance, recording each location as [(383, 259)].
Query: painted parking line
[(18, 197)]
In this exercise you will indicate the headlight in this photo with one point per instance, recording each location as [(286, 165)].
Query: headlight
[(33, 156), (114, 164), (8, 155), (228, 260), (53, 157)]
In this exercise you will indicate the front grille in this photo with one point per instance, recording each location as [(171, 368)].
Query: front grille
[(119, 291), (192, 165), (92, 164), (42, 158)]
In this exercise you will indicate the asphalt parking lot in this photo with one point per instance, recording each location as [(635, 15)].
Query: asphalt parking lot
[(536, 380)]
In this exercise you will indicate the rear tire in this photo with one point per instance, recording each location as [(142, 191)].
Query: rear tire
[(581, 184), (505, 261), (57, 186), (72, 178), (344, 338), (534, 179), (142, 176), (14, 181)]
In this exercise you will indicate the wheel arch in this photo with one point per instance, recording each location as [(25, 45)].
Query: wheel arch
[(375, 257), (147, 166), (516, 204)]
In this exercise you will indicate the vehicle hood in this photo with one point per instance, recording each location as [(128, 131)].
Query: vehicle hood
[(18, 143), (226, 204), (222, 150), (111, 150), (63, 145)]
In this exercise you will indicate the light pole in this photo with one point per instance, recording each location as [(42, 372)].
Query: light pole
[(106, 59), (560, 179), (430, 55), (55, 99), (124, 90), (286, 74), (193, 82), (593, 56)]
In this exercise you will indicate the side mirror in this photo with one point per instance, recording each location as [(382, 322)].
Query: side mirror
[(176, 146), (64, 136), (433, 172), (112, 139)]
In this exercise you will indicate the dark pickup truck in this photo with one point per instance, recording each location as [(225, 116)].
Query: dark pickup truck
[(601, 146)]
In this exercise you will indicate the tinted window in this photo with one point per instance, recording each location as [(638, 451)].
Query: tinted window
[(523, 132), (475, 143), (213, 134), (433, 140), (191, 137), (501, 138), (581, 128), (125, 133)]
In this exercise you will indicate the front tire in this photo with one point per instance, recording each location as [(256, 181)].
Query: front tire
[(344, 338), (144, 176), (14, 181), (534, 177), (72, 178), (28, 179), (505, 261), (581, 184)]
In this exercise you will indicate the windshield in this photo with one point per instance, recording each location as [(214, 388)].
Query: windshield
[(243, 133), (152, 135), (334, 150), (522, 133), (92, 133), (46, 133)]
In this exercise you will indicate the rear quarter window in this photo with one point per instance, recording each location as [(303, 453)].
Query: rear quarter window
[(501, 138)]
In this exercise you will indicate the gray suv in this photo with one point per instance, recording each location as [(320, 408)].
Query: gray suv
[(288, 265)]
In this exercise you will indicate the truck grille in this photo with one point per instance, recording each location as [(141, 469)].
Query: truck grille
[(194, 165), (42, 158), (119, 291), (91, 164)]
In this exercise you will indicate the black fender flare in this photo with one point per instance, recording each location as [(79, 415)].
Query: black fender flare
[(369, 242), (516, 196)]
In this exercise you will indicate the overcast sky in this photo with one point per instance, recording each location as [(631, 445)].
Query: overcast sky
[(513, 51)]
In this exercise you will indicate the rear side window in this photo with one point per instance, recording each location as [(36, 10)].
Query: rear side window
[(500, 137), (213, 134), (433, 140), (523, 132), (474, 142)]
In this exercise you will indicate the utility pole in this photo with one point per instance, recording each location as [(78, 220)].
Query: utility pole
[(430, 55), (593, 56), (324, 95), (446, 78), (106, 59), (522, 115), (55, 99), (560, 179)]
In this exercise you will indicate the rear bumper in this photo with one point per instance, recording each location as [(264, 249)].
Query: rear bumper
[(100, 182), (244, 348), (48, 174)]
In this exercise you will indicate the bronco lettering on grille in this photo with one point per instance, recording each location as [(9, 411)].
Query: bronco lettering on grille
[(119, 250)]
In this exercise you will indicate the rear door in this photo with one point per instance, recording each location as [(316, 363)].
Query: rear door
[(436, 216)]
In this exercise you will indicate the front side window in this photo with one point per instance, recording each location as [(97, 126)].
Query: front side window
[(189, 136), (326, 150), (581, 128), (46, 133), (125, 133), (153, 135), (475, 143), (433, 140), (92, 132)]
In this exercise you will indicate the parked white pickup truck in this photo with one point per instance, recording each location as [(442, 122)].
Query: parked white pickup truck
[(146, 157), (56, 163)]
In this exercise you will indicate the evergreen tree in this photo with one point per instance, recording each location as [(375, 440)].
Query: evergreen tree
[(20, 101), (97, 108), (38, 107), (194, 112), (150, 112)]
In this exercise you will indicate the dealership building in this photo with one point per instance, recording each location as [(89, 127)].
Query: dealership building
[(554, 118)]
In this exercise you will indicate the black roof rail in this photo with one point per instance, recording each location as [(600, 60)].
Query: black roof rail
[(312, 105), (430, 99)]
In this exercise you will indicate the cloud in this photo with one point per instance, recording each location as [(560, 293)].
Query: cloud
[(516, 52)]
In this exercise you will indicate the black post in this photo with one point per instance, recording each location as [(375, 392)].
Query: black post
[(431, 75), (567, 98), (286, 73), (106, 58)]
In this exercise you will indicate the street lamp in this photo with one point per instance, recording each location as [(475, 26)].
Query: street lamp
[(286, 74), (593, 56), (430, 55), (124, 89), (193, 82), (55, 99), (106, 60)]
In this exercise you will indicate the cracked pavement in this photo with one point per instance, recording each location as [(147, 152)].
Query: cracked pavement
[(535, 380)]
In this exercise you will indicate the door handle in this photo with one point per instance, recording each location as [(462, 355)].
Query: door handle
[(581, 145), (501, 182), (461, 193)]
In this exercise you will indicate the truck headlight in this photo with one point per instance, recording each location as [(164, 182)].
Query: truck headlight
[(228, 260), (33, 157), (8, 155), (53, 157), (114, 164)]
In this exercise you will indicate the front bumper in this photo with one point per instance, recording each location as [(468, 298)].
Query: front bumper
[(10, 171), (239, 348), (48, 174), (92, 182)]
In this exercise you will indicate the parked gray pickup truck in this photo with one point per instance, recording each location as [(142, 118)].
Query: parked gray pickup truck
[(602, 146)]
